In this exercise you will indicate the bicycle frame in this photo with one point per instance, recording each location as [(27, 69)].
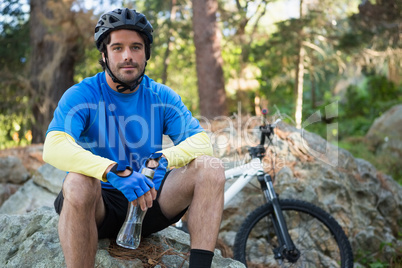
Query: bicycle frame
[(245, 174), (247, 171)]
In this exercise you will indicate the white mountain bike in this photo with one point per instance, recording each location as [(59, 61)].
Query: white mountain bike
[(284, 232)]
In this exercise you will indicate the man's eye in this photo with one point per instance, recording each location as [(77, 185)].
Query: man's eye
[(136, 47), (116, 48)]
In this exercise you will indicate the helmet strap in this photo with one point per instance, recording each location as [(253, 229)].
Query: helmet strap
[(121, 87)]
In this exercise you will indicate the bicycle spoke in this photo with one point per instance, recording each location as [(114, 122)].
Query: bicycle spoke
[(317, 245), (318, 248)]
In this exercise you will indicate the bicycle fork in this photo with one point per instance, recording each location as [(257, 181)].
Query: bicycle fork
[(286, 249)]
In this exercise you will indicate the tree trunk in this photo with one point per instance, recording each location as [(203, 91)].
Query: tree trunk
[(54, 46), (169, 41), (299, 88), (313, 87), (299, 76), (207, 38)]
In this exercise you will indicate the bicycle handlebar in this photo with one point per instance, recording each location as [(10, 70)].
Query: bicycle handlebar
[(273, 125), (267, 130)]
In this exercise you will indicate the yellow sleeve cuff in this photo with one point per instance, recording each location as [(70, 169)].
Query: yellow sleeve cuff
[(61, 151), (189, 149)]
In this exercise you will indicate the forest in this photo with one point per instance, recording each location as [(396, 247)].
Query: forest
[(294, 57)]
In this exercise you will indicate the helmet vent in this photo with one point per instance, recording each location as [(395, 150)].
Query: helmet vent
[(113, 19), (128, 15), (143, 21)]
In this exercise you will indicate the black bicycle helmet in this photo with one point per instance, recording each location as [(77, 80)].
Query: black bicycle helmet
[(123, 18)]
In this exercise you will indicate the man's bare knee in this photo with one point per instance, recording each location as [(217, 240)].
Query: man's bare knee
[(208, 162), (211, 169), (80, 190)]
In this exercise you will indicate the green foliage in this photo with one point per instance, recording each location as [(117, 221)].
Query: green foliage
[(354, 40), (357, 110), (14, 58), (13, 13), (14, 46), (363, 104), (14, 30), (377, 260), (275, 58), (375, 26), (14, 130), (384, 162), (88, 65), (14, 37)]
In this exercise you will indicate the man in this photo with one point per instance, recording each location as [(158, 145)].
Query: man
[(104, 129)]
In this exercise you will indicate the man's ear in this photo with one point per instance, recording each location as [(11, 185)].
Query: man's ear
[(103, 57)]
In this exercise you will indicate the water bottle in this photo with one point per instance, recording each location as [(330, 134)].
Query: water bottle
[(130, 233)]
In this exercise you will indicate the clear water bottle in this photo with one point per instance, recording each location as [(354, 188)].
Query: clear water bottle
[(130, 233)]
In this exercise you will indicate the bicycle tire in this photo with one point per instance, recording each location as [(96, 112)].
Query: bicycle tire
[(311, 228)]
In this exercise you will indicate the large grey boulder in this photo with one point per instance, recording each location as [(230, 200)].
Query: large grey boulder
[(28, 197), (386, 130), (7, 190), (31, 240), (49, 178), (385, 137), (12, 170), (365, 202), (40, 190)]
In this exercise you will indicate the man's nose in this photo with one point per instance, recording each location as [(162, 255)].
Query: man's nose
[(127, 54)]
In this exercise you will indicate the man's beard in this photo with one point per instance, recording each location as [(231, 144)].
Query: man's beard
[(125, 76)]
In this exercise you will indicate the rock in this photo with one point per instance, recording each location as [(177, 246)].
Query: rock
[(30, 156), (31, 240), (28, 198), (39, 191), (6, 190), (366, 203), (385, 133), (181, 242), (50, 178), (12, 170)]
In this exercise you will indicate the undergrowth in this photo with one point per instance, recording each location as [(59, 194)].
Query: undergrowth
[(384, 162)]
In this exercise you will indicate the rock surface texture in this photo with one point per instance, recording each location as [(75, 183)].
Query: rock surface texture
[(31, 240)]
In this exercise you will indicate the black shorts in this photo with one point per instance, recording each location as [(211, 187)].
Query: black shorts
[(116, 205)]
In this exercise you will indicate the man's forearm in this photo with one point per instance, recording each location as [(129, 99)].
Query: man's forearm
[(189, 149), (61, 151)]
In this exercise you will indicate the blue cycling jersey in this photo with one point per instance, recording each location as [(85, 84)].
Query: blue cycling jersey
[(125, 128)]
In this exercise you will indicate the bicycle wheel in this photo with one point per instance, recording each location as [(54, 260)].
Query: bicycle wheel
[(316, 234)]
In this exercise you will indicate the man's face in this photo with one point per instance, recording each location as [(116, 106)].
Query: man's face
[(126, 55)]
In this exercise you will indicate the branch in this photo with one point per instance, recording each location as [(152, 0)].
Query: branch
[(388, 52), (314, 47)]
